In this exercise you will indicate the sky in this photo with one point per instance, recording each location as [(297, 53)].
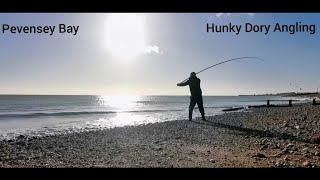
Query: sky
[(148, 54)]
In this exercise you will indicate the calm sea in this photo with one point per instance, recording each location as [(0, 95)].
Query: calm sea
[(49, 115)]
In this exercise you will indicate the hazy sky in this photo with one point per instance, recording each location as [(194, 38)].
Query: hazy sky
[(148, 54)]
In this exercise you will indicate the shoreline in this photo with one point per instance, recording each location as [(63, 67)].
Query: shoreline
[(224, 109), (263, 137)]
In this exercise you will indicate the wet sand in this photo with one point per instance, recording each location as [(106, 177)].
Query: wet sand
[(264, 137)]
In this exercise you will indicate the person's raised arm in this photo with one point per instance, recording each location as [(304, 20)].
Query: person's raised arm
[(183, 84)]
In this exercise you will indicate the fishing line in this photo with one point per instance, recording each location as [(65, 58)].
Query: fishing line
[(256, 58), (296, 85)]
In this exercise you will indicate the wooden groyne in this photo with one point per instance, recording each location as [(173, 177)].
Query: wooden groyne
[(268, 104), (315, 103), (274, 105)]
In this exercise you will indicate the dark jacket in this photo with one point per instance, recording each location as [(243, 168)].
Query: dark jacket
[(194, 85)]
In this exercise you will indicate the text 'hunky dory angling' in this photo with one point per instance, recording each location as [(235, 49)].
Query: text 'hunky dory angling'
[(261, 28)]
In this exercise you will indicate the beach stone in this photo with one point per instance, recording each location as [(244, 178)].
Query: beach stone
[(262, 143), (278, 155), (315, 139), (21, 143), (212, 160), (259, 155), (20, 156), (272, 146), (279, 164), (285, 124), (306, 164), (285, 150), (289, 146), (297, 153), (21, 137), (287, 158), (306, 150), (36, 157), (317, 153), (297, 127), (263, 147)]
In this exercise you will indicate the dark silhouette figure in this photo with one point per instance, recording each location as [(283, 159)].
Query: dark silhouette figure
[(196, 94)]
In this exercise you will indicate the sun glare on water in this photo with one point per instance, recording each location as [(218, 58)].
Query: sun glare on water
[(125, 36), (122, 103)]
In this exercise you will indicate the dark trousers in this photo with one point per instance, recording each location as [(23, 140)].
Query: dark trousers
[(193, 101)]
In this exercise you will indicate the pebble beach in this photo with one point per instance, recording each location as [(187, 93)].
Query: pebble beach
[(276, 137)]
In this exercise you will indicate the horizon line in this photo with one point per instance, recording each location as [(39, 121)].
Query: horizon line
[(138, 95), (108, 95)]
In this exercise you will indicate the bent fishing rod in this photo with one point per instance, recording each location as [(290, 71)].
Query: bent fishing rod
[(224, 62)]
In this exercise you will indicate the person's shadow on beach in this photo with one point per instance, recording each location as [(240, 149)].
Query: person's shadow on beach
[(255, 132)]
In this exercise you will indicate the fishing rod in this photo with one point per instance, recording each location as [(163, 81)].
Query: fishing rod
[(225, 62)]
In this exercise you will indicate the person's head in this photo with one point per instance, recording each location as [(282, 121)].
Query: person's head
[(193, 74)]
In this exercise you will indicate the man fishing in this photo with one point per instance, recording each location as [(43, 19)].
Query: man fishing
[(196, 94), (194, 85)]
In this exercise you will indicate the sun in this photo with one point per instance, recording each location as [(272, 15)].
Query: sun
[(125, 35)]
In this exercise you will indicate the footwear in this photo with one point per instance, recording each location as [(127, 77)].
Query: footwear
[(190, 119), (204, 119)]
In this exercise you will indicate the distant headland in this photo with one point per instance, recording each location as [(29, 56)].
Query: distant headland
[(287, 94)]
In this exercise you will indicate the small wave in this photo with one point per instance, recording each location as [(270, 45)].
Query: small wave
[(155, 110), (77, 113), (161, 102), (308, 99), (56, 114), (211, 107)]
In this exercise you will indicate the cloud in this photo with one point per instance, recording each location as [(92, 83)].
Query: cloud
[(218, 15), (153, 49)]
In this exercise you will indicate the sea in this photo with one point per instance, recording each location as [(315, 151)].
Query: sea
[(43, 115)]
